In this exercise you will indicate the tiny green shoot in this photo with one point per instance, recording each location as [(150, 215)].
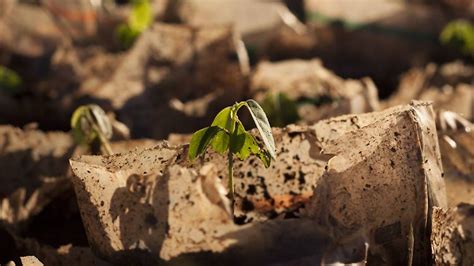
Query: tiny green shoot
[(138, 21), (89, 124), (228, 135), (460, 35), (280, 109), (10, 81)]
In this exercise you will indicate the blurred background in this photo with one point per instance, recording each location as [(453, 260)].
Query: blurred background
[(145, 60), (162, 69)]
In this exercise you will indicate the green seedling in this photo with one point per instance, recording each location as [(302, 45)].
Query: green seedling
[(228, 135), (89, 125), (10, 81), (460, 35), (140, 19), (280, 109)]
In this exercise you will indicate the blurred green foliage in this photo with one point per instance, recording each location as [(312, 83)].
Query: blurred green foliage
[(140, 19), (10, 81), (460, 35), (280, 109)]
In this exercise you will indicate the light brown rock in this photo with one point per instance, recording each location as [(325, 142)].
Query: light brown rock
[(384, 178), (256, 21), (457, 150), (136, 201), (29, 155), (168, 64), (448, 86), (452, 237), (30, 261), (157, 201), (309, 80)]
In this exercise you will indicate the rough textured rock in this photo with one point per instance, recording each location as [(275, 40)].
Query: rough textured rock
[(381, 159), (30, 261), (35, 169), (448, 86), (20, 206), (459, 99), (173, 63), (172, 73), (284, 187), (457, 150), (124, 146), (153, 199), (350, 36), (144, 206), (262, 193), (134, 201), (22, 37), (256, 21), (69, 67), (27, 156), (308, 80), (452, 237)]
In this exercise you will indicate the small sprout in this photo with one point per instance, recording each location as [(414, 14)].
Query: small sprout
[(90, 124), (460, 35), (140, 19), (280, 109), (10, 81), (227, 134)]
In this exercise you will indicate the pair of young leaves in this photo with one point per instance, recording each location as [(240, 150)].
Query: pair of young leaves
[(227, 134), (89, 122)]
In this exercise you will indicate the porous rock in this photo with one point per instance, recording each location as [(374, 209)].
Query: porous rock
[(457, 150), (452, 237), (30, 261), (28, 155), (142, 199), (168, 64), (309, 80), (448, 86), (384, 178), (135, 201)]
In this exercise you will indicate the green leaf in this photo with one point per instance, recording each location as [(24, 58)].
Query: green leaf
[(76, 116), (221, 141), (265, 157), (224, 120), (201, 140), (141, 16), (243, 143), (460, 35), (138, 21), (263, 126), (9, 80), (237, 139), (126, 35), (249, 147)]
